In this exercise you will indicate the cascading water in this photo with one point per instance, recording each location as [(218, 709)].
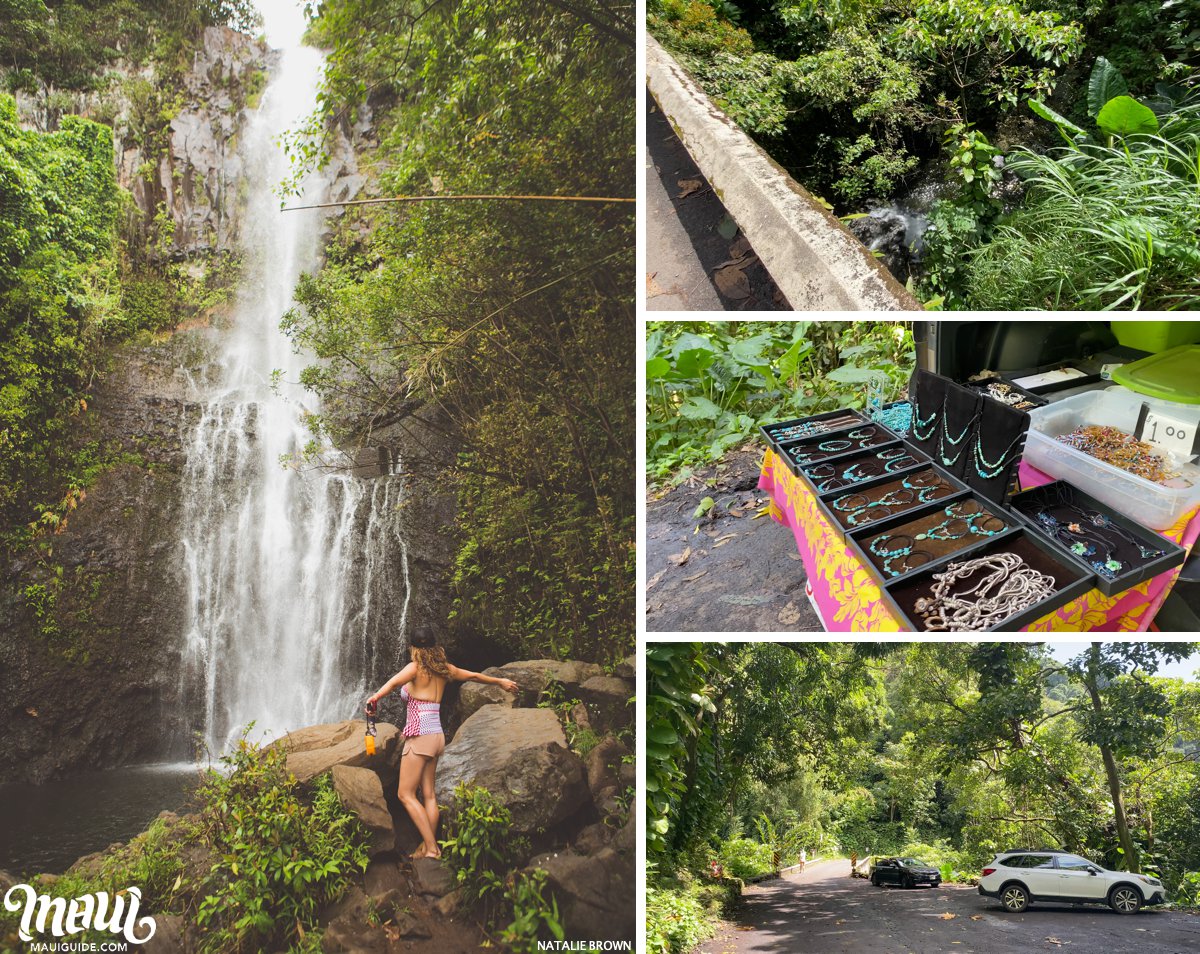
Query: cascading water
[(297, 577)]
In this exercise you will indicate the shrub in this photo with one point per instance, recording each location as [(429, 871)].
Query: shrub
[(278, 859), (479, 848), (535, 917), (745, 858), (676, 919)]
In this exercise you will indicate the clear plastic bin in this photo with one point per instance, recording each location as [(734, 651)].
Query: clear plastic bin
[(1150, 504)]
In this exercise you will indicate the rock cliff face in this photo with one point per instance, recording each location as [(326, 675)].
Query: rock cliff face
[(91, 619)]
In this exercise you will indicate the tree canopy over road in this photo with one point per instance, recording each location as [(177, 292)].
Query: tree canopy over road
[(947, 751)]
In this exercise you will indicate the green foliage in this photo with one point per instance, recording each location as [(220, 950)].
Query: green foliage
[(535, 916), (973, 163), (511, 319), (278, 858), (746, 858), (676, 919), (478, 846), (710, 385)]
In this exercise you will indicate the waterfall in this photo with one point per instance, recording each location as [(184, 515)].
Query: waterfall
[(297, 576)]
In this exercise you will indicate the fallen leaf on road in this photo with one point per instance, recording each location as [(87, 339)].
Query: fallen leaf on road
[(724, 540), (694, 576), (732, 282), (795, 556), (745, 927), (740, 247), (1056, 941), (762, 513), (689, 187), (789, 615), (30, 710), (734, 512), (947, 916), (976, 917), (654, 580), (679, 559)]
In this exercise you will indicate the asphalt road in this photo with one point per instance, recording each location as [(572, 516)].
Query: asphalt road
[(824, 911)]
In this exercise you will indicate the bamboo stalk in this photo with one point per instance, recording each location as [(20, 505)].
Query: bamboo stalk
[(444, 198)]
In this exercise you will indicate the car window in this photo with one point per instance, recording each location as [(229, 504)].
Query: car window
[(1015, 861), (1074, 863), (913, 863), (1040, 861)]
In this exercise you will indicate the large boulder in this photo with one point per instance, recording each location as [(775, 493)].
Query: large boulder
[(170, 936), (318, 748), (603, 764), (626, 668), (433, 876), (360, 791), (607, 700), (521, 757), (533, 676), (596, 894), (348, 928)]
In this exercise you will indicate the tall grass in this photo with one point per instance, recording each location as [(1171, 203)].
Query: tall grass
[(1103, 226)]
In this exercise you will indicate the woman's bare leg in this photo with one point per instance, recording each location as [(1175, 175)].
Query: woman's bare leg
[(429, 794), (411, 768)]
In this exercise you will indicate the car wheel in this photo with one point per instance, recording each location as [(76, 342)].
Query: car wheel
[(908, 882), (1125, 900), (1014, 898), (875, 881)]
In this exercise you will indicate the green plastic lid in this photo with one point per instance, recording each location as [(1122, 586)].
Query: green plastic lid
[(1171, 376)]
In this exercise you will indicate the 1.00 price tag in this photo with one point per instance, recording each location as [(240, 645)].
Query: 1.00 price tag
[(1170, 433)]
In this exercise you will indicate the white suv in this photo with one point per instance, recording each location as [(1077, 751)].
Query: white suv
[(1018, 878)]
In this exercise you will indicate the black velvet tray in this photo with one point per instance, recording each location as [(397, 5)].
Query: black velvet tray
[(828, 475), (1026, 504), (769, 431), (807, 451), (918, 520), (1071, 580), (946, 488)]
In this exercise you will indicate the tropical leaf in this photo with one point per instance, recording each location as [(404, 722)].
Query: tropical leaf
[(1125, 116), (1106, 84)]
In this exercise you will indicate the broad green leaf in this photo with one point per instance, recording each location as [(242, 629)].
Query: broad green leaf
[(657, 368), (705, 506), (662, 734), (699, 408), (850, 374), (693, 362), (1106, 84), (1125, 116)]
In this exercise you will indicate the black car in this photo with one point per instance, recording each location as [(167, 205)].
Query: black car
[(906, 872)]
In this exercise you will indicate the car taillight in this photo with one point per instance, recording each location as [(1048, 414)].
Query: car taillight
[(988, 871)]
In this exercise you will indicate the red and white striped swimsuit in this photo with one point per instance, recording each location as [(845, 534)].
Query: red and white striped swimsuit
[(424, 717)]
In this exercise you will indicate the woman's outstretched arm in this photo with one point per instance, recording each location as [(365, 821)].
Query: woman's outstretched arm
[(405, 675), (465, 675)]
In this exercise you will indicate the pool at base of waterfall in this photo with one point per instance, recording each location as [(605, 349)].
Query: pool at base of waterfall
[(47, 828)]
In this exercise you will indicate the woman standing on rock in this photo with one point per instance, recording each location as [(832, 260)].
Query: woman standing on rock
[(424, 742)]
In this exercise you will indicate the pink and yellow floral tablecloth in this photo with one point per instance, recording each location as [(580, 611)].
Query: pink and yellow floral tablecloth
[(850, 600)]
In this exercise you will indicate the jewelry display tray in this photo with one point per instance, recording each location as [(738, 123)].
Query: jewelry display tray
[(825, 499), (883, 438), (1081, 579), (1175, 555), (768, 430), (858, 539)]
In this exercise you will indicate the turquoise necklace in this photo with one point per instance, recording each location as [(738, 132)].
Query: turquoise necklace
[(952, 441), (928, 424), (954, 514), (986, 468)]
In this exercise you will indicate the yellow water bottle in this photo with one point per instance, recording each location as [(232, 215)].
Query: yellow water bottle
[(370, 737)]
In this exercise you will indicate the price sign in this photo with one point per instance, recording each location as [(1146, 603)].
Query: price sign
[(1170, 433)]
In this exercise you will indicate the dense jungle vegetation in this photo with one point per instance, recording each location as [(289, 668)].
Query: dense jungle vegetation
[(77, 274), (516, 318), (1041, 125), (709, 385), (947, 751)]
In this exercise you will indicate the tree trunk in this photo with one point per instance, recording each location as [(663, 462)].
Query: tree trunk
[(1110, 769)]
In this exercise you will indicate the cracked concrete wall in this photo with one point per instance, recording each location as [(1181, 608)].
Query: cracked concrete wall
[(813, 258)]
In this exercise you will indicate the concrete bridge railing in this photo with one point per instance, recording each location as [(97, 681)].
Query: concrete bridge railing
[(810, 254)]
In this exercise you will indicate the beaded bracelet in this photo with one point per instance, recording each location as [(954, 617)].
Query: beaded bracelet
[(1008, 585)]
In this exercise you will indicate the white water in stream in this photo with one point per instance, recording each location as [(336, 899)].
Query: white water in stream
[(297, 577)]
